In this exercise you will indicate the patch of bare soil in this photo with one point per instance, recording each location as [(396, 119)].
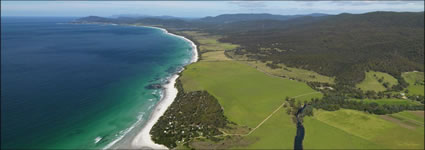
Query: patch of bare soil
[(226, 143), (397, 121), (235, 129), (419, 113)]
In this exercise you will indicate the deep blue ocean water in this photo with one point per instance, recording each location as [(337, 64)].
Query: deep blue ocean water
[(64, 85)]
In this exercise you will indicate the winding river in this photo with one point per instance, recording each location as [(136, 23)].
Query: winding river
[(298, 144)]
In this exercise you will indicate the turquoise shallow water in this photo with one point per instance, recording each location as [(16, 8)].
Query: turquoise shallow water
[(64, 85)]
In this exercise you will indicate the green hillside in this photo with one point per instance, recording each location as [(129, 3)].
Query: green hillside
[(343, 46), (416, 82), (377, 81)]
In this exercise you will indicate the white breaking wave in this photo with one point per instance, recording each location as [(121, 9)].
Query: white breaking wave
[(143, 138), (122, 133)]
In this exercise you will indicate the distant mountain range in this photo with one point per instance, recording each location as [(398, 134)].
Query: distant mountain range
[(136, 16), (229, 18), (220, 19)]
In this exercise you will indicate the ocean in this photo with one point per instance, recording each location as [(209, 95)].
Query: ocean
[(80, 85)]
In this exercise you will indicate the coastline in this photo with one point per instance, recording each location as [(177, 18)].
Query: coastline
[(140, 138), (143, 138)]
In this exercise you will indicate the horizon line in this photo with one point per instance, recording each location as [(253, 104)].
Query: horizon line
[(141, 15)]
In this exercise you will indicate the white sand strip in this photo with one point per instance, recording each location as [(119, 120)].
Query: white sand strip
[(143, 139)]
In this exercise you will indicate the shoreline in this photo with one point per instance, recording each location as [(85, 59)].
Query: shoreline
[(143, 139)]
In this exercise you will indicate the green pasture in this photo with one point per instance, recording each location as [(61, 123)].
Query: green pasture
[(250, 91), (359, 127), (288, 72), (209, 42), (415, 80), (371, 81), (410, 116), (277, 133), (214, 56), (390, 101), (320, 135), (247, 95)]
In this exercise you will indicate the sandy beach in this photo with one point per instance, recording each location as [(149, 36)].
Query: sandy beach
[(136, 138), (143, 139)]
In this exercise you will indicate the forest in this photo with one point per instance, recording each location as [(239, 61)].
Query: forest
[(343, 46)]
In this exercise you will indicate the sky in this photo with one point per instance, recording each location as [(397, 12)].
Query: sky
[(198, 8)]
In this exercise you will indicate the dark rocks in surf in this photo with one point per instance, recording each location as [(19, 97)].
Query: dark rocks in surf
[(154, 86), (174, 69)]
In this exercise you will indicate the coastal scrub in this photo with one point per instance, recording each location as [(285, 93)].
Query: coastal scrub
[(192, 114)]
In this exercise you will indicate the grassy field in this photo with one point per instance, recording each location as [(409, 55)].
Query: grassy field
[(390, 101), (209, 46), (209, 42), (214, 56), (320, 135), (246, 94), (415, 79), (277, 133), (288, 72), (371, 81), (360, 130), (410, 115), (248, 97)]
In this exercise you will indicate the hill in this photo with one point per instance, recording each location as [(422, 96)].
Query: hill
[(229, 18), (93, 19), (344, 45)]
